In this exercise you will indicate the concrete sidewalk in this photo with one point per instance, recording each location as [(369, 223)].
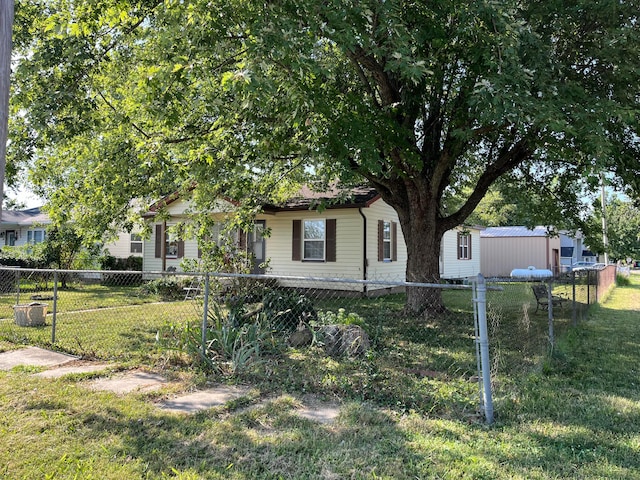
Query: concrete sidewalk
[(33, 357), (139, 381)]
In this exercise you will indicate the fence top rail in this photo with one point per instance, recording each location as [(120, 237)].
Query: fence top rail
[(377, 282)]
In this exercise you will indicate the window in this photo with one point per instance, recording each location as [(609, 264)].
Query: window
[(174, 247), (464, 246), (136, 243), (387, 241), (35, 236), (313, 239)]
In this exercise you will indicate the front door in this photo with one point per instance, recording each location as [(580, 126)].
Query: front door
[(257, 246), (10, 239)]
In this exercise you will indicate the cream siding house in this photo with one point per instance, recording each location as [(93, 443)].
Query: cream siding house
[(126, 245), (359, 239), (460, 253)]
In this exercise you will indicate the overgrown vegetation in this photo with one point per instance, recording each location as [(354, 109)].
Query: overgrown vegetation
[(572, 415)]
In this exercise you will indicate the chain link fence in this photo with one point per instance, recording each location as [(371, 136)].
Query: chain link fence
[(335, 337)]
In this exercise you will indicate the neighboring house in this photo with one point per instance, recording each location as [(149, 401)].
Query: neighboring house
[(126, 245), (460, 253), (507, 248), (358, 238), (21, 227), (573, 249)]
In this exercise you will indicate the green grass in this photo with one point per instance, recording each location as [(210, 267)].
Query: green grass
[(573, 414)]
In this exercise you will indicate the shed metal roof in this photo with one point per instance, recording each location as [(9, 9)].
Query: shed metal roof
[(516, 231)]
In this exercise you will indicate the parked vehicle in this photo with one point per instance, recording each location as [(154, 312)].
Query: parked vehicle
[(578, 266)]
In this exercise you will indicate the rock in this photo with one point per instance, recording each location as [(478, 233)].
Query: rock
[(300, 338), (350, 340)]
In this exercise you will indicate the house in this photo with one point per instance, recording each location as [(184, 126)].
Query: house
[(573, 250), (125, 245), (356, 238), (21, 227)]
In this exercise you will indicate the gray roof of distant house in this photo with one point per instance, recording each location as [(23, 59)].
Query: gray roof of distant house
[(497, 232), (24, 218)]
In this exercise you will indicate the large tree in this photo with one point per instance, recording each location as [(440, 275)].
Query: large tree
[(623, 229), (427, 101)]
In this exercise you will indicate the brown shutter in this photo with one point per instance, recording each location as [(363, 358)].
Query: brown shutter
[(380, 240), (159, 235), (469, 240), (458, 246), (242, 240), (180, 248), (394, 241), (331, 240), (296, 242)]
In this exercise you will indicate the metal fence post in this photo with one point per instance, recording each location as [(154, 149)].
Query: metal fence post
[(574, 305), (17, 287), (55, 306), (205, 315), (550, 311), (481, 301)]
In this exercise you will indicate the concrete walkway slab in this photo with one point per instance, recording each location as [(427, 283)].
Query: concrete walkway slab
[(130, 382), (90, 367), (204, 399), (320, 412), (33, 357)]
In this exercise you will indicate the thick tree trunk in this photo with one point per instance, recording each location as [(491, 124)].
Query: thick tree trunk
[(423, 237)]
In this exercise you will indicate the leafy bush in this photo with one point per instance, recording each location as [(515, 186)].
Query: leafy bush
[(342, 318), (132, 263), (26, 256), (167, 288), (285, 309), (622, 280)]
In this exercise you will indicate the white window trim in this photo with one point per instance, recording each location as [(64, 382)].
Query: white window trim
[(137, 241), (169, 239), (464, 246), (385, 225), (323, 240), (31, 235)]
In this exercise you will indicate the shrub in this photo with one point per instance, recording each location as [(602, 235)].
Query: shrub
[(167, 288), (285, 309), (622, 280), (342, 318), (132, 263)]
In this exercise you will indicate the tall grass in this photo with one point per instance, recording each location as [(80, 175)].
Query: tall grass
[(574, 414)]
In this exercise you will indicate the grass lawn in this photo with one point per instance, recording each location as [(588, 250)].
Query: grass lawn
[(572, 414)]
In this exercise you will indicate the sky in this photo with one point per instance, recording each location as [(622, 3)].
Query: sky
[(25, 196)]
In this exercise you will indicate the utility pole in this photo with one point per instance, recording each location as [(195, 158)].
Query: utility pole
[(6, 28), (603, 200)]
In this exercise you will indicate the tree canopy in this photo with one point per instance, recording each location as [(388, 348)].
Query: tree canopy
[(623, 229), (429, 102)]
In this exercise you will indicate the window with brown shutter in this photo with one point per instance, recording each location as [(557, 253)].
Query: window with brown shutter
[(296, 241), (331, 246), (159, 237), (314, 240), (387, 241)]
